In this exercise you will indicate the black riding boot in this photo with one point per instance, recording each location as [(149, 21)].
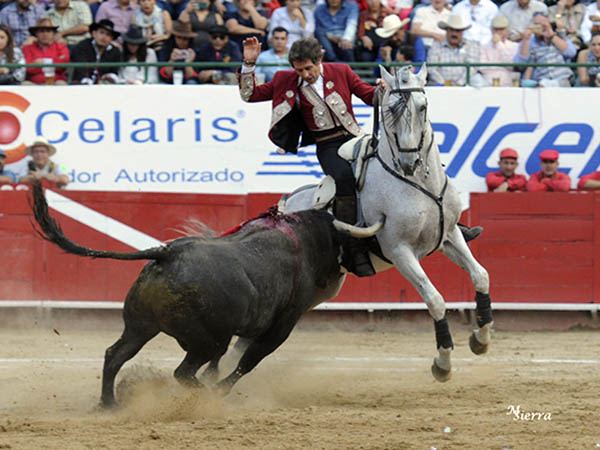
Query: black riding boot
[(358, 260), (469, 233)]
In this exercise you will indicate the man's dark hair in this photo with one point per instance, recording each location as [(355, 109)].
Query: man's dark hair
[(280, 30), (304, 49)]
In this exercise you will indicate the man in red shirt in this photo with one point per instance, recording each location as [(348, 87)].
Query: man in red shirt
[(45, 47), (506, 180), (549, 178), (590, 182)]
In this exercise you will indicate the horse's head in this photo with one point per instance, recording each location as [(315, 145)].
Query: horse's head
[(404, 116)]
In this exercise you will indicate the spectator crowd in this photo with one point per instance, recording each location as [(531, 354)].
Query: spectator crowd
[(385, 31)]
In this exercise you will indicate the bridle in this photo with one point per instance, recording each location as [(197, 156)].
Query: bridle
[(406, 93)]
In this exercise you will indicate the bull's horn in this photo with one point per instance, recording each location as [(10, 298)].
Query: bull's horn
[(358, 232)]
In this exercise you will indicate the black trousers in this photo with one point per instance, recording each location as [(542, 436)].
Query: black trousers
[(332, 164)]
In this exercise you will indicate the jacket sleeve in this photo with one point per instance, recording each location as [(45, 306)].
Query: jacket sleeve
[(517, 183), (493, 180), (358, 87), (29, 58), (562, 182), (535, 185), (250, 92)]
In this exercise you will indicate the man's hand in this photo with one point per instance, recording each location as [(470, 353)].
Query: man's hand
[(367, 42), (346, 45), (191, 55), (503, 187), (251, 50)]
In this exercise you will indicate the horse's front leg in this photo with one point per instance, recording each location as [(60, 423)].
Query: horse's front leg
[(457, 250), (409, 266)]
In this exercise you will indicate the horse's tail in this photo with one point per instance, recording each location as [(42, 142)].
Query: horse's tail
[(52, 232)]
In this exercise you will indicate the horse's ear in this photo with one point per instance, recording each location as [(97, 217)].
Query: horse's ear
[(423, 74), (387, 77)]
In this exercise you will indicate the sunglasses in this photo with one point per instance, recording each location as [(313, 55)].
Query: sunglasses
[(219, 36), (548, 161)]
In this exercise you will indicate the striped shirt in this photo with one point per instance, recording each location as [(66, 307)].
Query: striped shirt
[(442, 52), (20, 21), (541, 52)]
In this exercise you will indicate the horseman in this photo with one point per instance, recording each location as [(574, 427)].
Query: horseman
[(313, 104), (314, 101)]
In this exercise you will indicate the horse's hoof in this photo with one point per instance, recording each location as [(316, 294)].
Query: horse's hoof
[(442, 375), (477, 347)]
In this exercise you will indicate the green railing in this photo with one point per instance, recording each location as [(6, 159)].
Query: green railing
[(362, 68)]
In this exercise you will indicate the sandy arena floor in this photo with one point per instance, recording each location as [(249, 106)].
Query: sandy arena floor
[(323, 389)]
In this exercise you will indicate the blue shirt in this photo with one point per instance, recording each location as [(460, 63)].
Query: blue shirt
[(7, 173), (540, 52), (271, 57), (343, 24)]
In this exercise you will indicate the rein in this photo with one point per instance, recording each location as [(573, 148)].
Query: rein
[(437, 199)]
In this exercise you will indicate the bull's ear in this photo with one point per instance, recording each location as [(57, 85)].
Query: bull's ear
[(387, 77), (423, 74)]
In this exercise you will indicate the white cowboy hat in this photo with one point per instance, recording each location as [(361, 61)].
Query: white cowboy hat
[(40, 141), (500, 21), (455, 22), (391, 24)]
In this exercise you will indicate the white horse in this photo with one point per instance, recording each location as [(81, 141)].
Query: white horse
[(406, 185)]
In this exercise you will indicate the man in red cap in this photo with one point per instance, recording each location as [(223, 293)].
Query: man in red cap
[(506, 180), (549, 178)]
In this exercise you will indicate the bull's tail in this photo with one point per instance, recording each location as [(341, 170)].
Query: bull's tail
[(52, 232)]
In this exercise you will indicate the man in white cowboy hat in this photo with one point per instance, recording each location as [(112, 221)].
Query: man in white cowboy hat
[(479, 14), (454, 49), (399, 46), (499, 49), (40, 166), (426, 19)]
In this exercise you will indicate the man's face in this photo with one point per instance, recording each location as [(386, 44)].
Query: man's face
[(454, 37), (549, 167), (508, 166), (438, 4), (40, 155), (61, 4), (502, 32), (397, 38), (45, 36), (543, 23), (523, 3), (279, 41), (218, 41), (102, 37), (23, 4), (335, 3), (307, 70)]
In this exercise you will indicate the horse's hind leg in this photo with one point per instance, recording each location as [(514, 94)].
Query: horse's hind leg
[(457, 250), (130, 342), (408, 265)]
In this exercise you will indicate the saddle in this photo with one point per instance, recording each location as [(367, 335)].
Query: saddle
[(358, 151)]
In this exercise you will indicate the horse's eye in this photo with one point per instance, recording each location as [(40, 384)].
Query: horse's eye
[(423, 108)]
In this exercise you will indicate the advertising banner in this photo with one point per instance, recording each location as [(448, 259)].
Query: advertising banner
[(205, 139)]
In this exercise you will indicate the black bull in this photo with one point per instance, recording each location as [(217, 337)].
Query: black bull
[(255, 284)]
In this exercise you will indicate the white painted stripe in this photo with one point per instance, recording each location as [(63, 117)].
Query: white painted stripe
[(100, 222), (328, 306)]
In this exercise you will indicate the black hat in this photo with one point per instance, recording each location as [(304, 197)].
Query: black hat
[(135, 35), (107, 25), (218, 29)]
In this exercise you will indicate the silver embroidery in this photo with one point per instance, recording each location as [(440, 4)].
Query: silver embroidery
[(321, 114), (289, 93), (279, 112), (246, 85), (337, 105), (329, 85)]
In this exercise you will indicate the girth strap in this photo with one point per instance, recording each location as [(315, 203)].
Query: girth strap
[(438, 200)]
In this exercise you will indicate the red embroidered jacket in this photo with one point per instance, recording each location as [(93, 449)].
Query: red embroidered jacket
[(288, 123)]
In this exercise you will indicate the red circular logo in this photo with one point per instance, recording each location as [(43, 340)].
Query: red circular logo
[(9, 127)]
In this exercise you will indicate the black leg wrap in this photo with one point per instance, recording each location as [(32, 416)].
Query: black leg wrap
[(442, 334), (484, 309)]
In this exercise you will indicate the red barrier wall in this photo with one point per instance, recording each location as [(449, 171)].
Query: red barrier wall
[(538, 247)]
